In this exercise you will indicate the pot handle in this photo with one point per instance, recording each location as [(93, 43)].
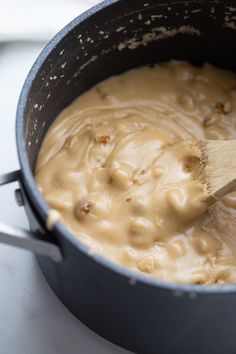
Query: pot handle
[(22, 238)]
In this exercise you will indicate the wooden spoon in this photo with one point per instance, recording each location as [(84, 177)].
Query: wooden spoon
[(217, 168)]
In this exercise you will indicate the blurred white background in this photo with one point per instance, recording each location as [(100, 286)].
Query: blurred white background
[(37, 20), (32, 319)]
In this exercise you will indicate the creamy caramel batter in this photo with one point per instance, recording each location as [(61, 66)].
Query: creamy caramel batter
[(110, 167)]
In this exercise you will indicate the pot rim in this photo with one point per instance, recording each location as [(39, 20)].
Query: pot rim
[(41, 206)]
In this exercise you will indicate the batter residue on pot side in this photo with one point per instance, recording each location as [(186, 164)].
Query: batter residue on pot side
[(109, 165)]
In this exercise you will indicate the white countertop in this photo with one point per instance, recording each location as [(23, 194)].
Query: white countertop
[(32, 319)]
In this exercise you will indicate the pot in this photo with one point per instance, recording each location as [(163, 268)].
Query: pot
[(137, 312)]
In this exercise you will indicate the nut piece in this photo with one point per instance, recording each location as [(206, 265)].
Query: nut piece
[(223, 108), (146, 264), (199, 277), (219, 108), (53, 217), (82, 208), (141, 232), (104, 139), (129, 199), (121, 178), (227, 107), (137, 177)]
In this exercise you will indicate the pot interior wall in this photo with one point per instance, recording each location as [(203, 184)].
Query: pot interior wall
[(124, 35)]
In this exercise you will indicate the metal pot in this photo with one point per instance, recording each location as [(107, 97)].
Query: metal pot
[(139, 313)]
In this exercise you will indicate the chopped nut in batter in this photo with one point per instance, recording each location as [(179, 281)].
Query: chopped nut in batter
[(104, 139), (82, 208), (146, 264)]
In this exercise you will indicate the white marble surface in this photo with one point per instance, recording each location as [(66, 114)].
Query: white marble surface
[(32, 319)]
